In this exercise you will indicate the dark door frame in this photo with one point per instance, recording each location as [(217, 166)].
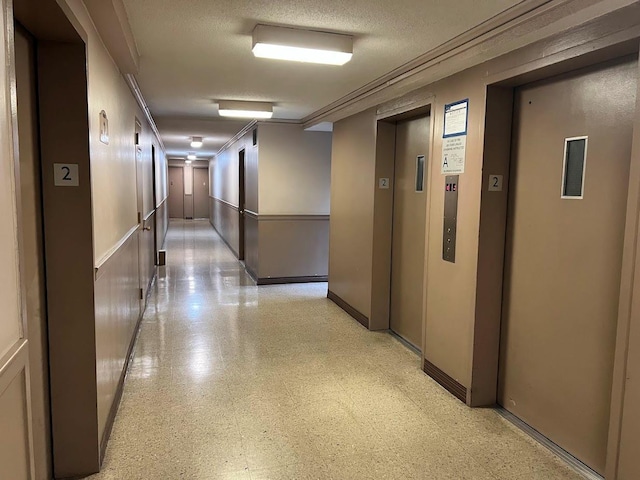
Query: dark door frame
[(241, 202)]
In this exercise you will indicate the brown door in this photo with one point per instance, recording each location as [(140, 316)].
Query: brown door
[(564, 255), (409, 217), (241, 203), (200, 193), (176, 192)]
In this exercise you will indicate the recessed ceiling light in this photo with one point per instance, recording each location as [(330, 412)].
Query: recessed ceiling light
[(191, 156), (187, 162), (294, 44), (240, 109), (196, 142)]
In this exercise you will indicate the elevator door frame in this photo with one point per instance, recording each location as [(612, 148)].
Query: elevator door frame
[(500, 88), (386, 121)]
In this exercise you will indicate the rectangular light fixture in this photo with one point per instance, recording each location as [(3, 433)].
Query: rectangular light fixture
[(196, 142), (240, 109), (191, 156), (294, 44)]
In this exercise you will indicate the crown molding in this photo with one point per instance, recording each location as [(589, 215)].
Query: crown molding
[(524, 24)]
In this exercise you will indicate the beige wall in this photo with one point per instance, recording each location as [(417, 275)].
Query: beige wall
[(113, 166), (295, 170), (224, 169), (351, 226)]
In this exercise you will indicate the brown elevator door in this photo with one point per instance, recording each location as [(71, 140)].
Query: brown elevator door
[(563, 259), (409, 217)]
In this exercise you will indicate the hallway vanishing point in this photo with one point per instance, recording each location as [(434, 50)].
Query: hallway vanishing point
[(232, 381)]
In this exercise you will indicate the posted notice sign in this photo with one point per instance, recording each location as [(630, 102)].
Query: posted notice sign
[(454, 137)]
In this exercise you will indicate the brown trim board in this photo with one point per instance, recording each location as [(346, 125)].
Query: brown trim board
[(360, 317), (452, 386)]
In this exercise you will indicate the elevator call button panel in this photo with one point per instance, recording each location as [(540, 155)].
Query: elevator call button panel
[(450, 218)]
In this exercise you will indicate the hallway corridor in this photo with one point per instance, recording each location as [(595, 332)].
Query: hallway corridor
[(238, 382)]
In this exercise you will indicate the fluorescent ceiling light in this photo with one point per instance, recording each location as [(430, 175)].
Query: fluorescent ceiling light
[(238, 109), (191, 156), (196, 142), (187, 162), (282, 43)]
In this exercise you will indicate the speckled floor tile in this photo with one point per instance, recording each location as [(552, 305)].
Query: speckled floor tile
[(234, 382)]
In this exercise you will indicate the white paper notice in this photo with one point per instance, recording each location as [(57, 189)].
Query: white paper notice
[(453, 154), (455, 118)]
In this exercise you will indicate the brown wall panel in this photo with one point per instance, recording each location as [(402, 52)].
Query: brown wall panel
[(117, 313), (291, 247), (226, 221), (251, 257)]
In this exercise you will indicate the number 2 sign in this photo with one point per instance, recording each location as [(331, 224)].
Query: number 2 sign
[(65, 175), (495, 183)]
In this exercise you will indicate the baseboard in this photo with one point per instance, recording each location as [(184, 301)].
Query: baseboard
[(285, 280), (249, 271), (120, 389), (452, 386), (360, 317)]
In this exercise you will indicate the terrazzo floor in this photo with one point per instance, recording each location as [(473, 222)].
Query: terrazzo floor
[(232, 381)]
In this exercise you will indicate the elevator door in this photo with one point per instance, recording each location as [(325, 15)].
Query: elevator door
[(176, 192), (200, 193), (409, 217), (563, 259)]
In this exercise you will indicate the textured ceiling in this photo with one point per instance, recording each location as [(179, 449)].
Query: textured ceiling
[(176, 134), (193, 52)]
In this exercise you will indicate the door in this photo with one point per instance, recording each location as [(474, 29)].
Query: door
[(200, 193), (154, 199), (241, 203), (409, 217), (24, 396), (176, 192), (568, 195)]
